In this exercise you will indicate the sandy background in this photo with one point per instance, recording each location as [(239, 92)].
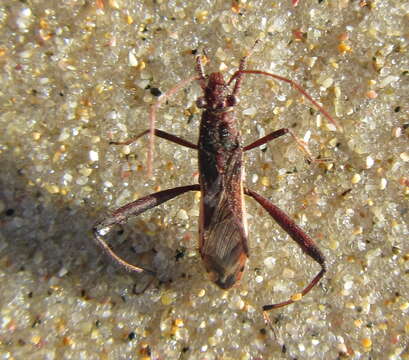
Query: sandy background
[(77, 74)]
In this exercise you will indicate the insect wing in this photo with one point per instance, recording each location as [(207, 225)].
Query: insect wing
[(223, 230)]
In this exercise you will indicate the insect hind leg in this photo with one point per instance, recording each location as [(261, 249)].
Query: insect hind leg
[(134, 208), (300, 237)]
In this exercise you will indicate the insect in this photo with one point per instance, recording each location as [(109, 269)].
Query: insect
[(223, 230)]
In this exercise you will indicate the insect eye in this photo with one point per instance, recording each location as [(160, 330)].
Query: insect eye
[(201, 102), (231, 100)]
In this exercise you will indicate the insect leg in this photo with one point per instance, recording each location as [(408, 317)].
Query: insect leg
[(275, 134), (161, 134), (134, 208), (299, 236), (238, 74), (152, 115)]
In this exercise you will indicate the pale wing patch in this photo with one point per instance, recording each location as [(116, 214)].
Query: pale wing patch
[(224, 231)]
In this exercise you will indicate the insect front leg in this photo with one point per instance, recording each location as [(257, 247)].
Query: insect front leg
[(300, 237), (152, 115), (134, 208)]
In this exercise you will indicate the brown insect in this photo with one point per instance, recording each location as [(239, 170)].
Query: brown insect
[(223, 228)]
